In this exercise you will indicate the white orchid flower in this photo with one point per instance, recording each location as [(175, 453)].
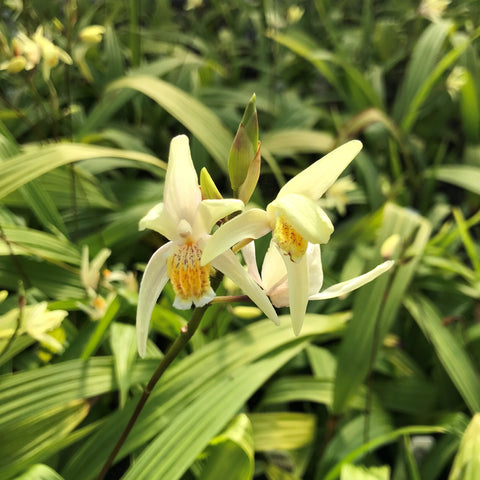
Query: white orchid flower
[(274, 278), (296, 219), (186, 220)]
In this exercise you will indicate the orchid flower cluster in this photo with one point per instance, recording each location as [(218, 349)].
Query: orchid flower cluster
[(291, 273)]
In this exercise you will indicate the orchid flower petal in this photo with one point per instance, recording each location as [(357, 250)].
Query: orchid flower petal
[(304, 215), (315, 269), (248, 253), (159, 220), (211, 211), (181, 193), (154, 279), (250, 224), (229, 265), (315, 180), (298, 290), (273, 268), (343, 288)]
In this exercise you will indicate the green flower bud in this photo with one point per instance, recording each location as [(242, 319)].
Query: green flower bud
[(208, 187), (244, 146)]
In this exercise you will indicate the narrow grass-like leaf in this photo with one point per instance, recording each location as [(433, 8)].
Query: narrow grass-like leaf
[(102, 325), (123, 340), (451, 353), (200, 120), (361, 93), (425, 56), (36, 161)]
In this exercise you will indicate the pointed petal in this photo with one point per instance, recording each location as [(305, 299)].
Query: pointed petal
[(153, 281), (250, 224), (298, 291), (315, 269), (181, 193), (273, 268), (305, 216), (343, 288), (248, 252), (211, 211), (315, 180), (229, 265), (159, 220)]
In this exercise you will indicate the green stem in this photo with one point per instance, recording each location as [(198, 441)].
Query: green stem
[(185, 335)]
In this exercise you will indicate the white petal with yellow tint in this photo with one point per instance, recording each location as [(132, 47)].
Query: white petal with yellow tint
[(229, 265), (159, 220), (181, 193), (154, 279), (250, 224), (343, 288), (298, 291), (304, 215), (315, 180), (211, 211), (273, 268), (315, 269), (248, 253)]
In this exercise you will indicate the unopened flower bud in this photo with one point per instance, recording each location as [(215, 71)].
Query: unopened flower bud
[(244, 147)]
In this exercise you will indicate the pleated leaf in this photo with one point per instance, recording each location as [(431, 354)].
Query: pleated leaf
[(199, 119), (202, 375), (36, 161)]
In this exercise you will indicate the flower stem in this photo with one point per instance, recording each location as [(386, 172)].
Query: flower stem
[(186, 334)]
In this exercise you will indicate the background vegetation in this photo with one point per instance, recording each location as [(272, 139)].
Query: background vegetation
[(382, 385)]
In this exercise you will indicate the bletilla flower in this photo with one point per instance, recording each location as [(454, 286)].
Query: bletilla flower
[(274, 279), (295, 219), (186, 220)]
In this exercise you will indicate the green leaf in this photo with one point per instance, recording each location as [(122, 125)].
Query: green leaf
[(376, 305), (231, 455), (36, 437), (200, 381), (36, 161), (282, 430), (351, 472), (200, 120), (30, 242), (451, 353), (123, 341), (40, 472), (379, 441), (463, 176), (467, 461)]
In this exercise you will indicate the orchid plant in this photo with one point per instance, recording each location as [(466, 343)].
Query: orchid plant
[(292, 270)]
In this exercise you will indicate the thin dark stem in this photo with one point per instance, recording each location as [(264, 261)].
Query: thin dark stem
[(176, 347)]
